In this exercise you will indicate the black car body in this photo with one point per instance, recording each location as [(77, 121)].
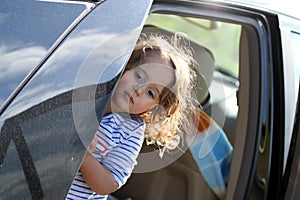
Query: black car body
[(60, 61)]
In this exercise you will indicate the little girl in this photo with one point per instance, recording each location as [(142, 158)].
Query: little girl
[(150, 101)]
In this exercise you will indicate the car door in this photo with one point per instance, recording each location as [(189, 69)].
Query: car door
[(51, 116)]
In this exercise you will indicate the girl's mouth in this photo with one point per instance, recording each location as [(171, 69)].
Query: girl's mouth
[(131, 99)]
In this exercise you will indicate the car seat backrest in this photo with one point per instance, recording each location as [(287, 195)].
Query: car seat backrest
[(204, 69)]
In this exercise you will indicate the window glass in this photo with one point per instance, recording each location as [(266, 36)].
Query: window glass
[(213, 34), (290, 179), (292, 73), (27, 31), (296, 60)]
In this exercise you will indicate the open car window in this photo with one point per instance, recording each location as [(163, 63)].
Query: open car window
[(216, 88), (232, 88)]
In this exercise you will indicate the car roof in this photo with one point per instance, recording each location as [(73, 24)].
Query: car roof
[(283, 7)]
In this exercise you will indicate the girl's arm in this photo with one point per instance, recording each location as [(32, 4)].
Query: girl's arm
[(97, 176), (108, 175)]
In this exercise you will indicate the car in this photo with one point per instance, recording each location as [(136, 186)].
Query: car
[(60, 61)]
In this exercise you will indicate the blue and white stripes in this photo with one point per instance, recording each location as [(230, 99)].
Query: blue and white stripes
[(119, 141)]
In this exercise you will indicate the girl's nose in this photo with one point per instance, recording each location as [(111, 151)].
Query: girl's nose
[(139, 90)]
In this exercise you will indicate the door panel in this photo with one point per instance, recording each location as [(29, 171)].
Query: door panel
[(46, 128)]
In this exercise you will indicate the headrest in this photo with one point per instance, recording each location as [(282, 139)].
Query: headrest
[(204, 70)]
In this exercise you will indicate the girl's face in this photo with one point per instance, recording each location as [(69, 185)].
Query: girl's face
[(139, 88)]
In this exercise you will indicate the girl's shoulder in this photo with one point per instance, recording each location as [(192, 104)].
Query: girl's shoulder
[(123, 118), (124, 122)]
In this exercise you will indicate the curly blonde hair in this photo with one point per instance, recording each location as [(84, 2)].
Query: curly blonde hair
[(164, 121)]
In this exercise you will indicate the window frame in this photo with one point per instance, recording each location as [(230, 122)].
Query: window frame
[(251, 125)]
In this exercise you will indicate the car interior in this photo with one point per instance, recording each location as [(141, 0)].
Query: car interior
[(177, 180)]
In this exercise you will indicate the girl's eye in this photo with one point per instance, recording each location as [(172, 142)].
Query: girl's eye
[(139, 77), (151, 93)]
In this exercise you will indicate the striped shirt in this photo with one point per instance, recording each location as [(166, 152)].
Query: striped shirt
[(120, 139)]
